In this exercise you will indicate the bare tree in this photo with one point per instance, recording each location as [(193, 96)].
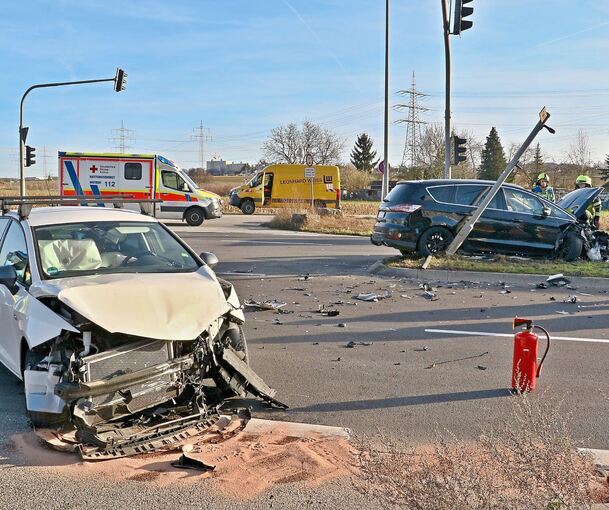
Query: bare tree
[(289, 144), (580, 153)]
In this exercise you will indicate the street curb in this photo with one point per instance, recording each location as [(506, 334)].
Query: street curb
[(448, 276)]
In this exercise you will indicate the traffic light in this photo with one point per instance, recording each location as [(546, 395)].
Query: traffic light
[(459, 149), (30, 156), (120, 81), (460, 24)]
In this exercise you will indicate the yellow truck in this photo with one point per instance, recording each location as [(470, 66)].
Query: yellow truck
[(284, 185)]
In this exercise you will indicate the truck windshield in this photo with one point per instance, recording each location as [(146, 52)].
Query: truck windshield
[(106, 247), (185, 176)]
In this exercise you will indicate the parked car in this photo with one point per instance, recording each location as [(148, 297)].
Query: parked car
[(113, 323), (424, 216)]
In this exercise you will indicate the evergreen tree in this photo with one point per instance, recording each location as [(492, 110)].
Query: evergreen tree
[(537, 165), (605, 170), (362, 155), (493, 158)]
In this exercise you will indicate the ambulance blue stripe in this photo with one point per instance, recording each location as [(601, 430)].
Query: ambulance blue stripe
[(74, 178), (96, 192)]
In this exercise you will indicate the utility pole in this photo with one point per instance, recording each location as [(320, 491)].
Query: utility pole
[(122, 135), (385, 187), (202, 136), (412, 141)]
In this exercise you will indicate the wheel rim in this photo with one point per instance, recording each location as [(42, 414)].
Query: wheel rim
[(194, 217), (436, 243)]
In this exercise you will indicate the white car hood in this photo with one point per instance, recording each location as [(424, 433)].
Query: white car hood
[(177, 306)]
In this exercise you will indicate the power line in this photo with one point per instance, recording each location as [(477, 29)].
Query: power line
[(202, 136), (412, 140), (121, 136)]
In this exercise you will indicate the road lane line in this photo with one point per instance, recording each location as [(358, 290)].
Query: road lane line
[(507, 335)]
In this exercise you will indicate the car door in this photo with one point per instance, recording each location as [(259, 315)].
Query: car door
[(175, 194), (12, 252), (535, 227)]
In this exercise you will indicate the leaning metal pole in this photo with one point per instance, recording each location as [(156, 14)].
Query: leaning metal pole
[(22, 133), (447, 92), (469, 224), (385, 187)]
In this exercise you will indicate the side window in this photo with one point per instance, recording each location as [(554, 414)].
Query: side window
[(172, 180), (468, 194), (442, 193), (256, 181), (14, 251), (517, 201), (3, 225), (133, 171), (495, 203)]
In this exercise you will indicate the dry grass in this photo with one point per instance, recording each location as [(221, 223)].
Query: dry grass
[(35, 188), (529, 463), (340, 224)]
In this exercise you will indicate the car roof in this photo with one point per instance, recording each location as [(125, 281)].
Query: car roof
[(439, 182), (74, 214)]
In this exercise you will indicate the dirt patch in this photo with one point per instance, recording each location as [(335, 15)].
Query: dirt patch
[(246, 465)]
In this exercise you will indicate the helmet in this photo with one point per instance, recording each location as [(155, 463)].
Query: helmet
[(583, 179), (543, 177)]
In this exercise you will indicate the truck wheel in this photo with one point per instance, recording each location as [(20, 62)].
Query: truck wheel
[(248, 207), (434, 240), (571, 248), (194, 216)]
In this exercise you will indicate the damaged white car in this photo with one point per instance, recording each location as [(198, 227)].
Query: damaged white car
[(125, 339)]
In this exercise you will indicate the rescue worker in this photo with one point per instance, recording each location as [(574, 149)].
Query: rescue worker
[(543, 188), (593, 213)]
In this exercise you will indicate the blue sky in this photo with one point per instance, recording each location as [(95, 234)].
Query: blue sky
[(245, 66)]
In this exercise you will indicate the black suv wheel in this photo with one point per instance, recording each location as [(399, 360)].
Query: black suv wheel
[(435, 240)]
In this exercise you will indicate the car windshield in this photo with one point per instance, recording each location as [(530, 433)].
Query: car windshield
[(107, 247)]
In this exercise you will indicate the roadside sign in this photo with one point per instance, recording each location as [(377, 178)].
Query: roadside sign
[(309, 159), (309, 173), (382, 167)]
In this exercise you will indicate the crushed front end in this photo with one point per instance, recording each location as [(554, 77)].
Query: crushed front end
[(112, 394)]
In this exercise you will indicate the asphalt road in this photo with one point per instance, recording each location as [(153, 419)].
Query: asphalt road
[(386, 386)]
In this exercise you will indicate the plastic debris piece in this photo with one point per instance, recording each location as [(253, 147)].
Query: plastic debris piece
[(421, 349), (274, 304), (558, 280), (186, 462), (542, 286), (570, 299), (481, 367), (328, 313), (430, 295), (352, 344), (341, 325), (506, 291), (425, 286), (372, 296)]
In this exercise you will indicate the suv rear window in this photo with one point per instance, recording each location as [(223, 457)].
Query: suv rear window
[(467, 194), (441, 193), (404, 193)]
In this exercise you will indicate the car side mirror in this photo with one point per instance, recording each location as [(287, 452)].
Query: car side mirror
[(8, 278), (209, 258), (547, 211)]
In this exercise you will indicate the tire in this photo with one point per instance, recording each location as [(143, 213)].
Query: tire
[(194, 216), (434, 240), (406, 253), (248, 207), (571, 248), (238, 342)]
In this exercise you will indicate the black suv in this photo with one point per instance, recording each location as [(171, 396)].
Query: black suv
[(423, 217)]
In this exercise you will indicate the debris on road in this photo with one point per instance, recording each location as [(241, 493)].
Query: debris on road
[(430, 295), (421, 349), (481, 367), (274, 304), (570, 299), (542, 285), (186, 462), (558, 280), (352, 344), (327, 312), (341, 325), (426, 287), (372, 296)]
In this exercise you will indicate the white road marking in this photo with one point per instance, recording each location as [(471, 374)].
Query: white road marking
[(507, 335)]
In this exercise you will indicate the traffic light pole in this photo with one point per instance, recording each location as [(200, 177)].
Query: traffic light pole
[(447, 172), (23, 131)]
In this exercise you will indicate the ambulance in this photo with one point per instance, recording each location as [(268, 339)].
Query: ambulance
[(148, 176), (285, 185)]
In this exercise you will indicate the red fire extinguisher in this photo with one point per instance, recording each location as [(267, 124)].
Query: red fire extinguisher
[(525, 369)]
